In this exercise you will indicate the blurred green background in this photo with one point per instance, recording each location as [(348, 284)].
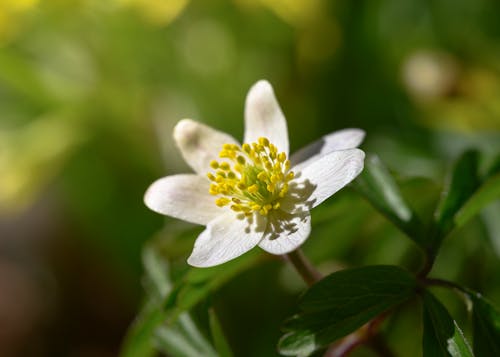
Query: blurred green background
[(90, 91)]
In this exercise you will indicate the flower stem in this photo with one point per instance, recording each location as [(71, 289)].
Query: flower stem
[(445, 284), (303, 266)]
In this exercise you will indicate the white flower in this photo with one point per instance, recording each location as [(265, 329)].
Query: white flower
[(252, 194)]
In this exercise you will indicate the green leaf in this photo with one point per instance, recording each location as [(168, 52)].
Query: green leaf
[(378, 186), (465, 194), (442, 336), (182, 339), (139, 339), (197, 283), (342, 302), (486, 325), (163, 322), (220, 342), (487, 193), (459, 187)]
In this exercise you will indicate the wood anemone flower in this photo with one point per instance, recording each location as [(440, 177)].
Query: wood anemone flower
[(252, 194)]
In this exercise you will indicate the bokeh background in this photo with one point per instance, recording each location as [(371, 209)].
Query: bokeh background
[(90, 91)]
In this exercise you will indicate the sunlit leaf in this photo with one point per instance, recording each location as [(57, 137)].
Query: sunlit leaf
[(342, 302), (182, 339), (139, 339), (465, 194), (486, 194), (442, 336), (378, 186), (486, 323), (197, 283), (152, 330)]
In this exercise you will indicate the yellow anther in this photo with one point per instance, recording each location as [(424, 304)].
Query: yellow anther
[(211, 176), (239, 168), (236, 208), (214, 164), (264, 141), (241, 160), (222, 201), (241, 186), (213, 190), (253, 178), (262, 176)]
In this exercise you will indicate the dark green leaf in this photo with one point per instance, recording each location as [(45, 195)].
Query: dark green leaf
[(341, 303), (379, 188), (460, 185), (494, 167), (486, 324), (442, 336), (220, 342)]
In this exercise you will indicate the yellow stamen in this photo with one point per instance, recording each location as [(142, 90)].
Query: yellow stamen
[(253, 178)]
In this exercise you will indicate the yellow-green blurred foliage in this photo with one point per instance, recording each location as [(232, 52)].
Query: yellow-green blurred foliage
[(90, 91)]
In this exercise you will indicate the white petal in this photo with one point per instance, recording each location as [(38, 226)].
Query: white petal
[(286, 232), (327, 174), (225, 238), (183, 196), (264, 118), (199, 144), (338, 140)]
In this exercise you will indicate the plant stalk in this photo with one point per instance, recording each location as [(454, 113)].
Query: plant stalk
[(304, 267)]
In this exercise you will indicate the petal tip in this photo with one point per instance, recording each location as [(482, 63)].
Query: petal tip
[(186, 132), (151, 197), (261, 89), (183, 126)]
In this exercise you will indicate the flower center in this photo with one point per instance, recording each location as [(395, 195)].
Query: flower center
[(253, 178)]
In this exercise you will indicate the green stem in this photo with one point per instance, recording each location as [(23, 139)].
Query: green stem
[(304, 267), (445, 284)]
